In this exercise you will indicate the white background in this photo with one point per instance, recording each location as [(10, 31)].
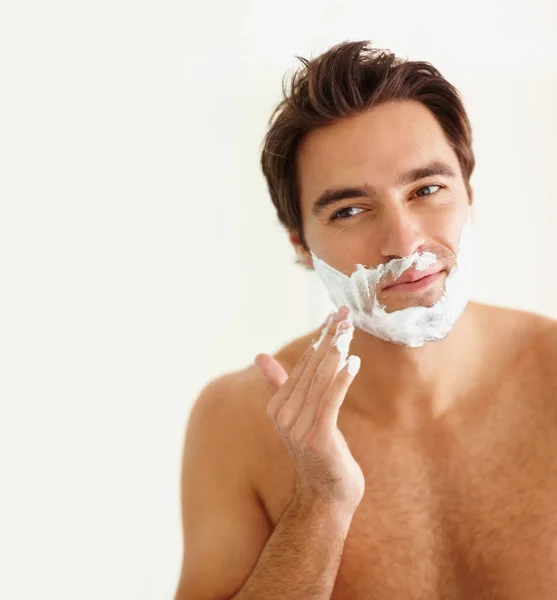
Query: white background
[(140, 255)]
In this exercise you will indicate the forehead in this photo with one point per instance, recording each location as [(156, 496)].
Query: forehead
[(372, 147)]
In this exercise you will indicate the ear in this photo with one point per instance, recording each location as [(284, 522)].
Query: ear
[(302, 255)]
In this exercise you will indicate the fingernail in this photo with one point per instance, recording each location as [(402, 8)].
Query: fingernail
[(341, 314), (353, 365)]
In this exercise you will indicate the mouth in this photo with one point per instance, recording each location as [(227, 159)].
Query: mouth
[(418, 284)]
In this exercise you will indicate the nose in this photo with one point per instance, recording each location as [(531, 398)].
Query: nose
[(401, 234)]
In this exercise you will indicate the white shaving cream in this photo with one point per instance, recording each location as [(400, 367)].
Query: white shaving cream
[(353, 363), (324, 331), (412, 326), (341, 340)]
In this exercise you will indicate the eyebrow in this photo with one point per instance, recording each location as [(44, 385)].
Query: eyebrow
[(334, 195)]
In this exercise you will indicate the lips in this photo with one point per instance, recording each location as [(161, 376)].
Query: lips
[(413, 276)]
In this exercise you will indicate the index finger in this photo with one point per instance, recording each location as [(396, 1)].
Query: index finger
[(276, 376)]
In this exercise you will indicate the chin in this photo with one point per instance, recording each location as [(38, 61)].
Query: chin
[(402, 301)]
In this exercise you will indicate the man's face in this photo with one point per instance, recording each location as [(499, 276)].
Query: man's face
[(384, 219)]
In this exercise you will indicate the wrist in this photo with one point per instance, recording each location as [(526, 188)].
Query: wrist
[(322, 509)]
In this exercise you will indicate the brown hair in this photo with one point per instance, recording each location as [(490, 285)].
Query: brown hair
[(346, 79)]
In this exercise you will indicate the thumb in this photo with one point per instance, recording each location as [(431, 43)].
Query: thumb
[(272, 370)]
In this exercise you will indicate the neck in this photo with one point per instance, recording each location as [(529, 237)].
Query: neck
[(410, 386)]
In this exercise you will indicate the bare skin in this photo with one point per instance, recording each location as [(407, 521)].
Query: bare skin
[(456, 440), (458, 504)]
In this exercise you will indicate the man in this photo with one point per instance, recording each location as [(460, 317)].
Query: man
[(430, 472)]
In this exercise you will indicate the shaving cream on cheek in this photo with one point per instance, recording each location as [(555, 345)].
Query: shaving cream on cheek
[(412, 326)]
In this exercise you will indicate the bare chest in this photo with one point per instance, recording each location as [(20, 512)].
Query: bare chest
[(465, 512)]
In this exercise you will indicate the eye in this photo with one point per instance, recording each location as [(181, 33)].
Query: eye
[(425, 187), (343, 211)]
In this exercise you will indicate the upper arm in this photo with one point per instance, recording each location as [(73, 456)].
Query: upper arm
[(224, 524)]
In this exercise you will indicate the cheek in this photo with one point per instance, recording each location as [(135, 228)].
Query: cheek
[(452, 217), (442, 233), (343, 253), (454, 230)]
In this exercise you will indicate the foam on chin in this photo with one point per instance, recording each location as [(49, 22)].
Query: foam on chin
[(412, 326)]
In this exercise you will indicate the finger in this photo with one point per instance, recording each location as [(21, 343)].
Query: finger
[(282, 393), (272, 370), (333, 361), (334, 316), (316, 343), (331, 401), (294, 405), (325, 374), (289, 385), (304, 383)]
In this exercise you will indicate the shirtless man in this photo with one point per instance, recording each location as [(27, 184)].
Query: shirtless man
[(430, 473)]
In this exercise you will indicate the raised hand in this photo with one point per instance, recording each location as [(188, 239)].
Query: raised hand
[(305, 408)]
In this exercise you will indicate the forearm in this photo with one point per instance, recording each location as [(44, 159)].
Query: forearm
[(301, 558)]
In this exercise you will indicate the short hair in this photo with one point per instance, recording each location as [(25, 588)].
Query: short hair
[(349, 78)]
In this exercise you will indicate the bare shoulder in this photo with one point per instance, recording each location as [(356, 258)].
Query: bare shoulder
[(233, 393), (228, 447), (528, 338), (511, 324), (235, 403), (544, 348)]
